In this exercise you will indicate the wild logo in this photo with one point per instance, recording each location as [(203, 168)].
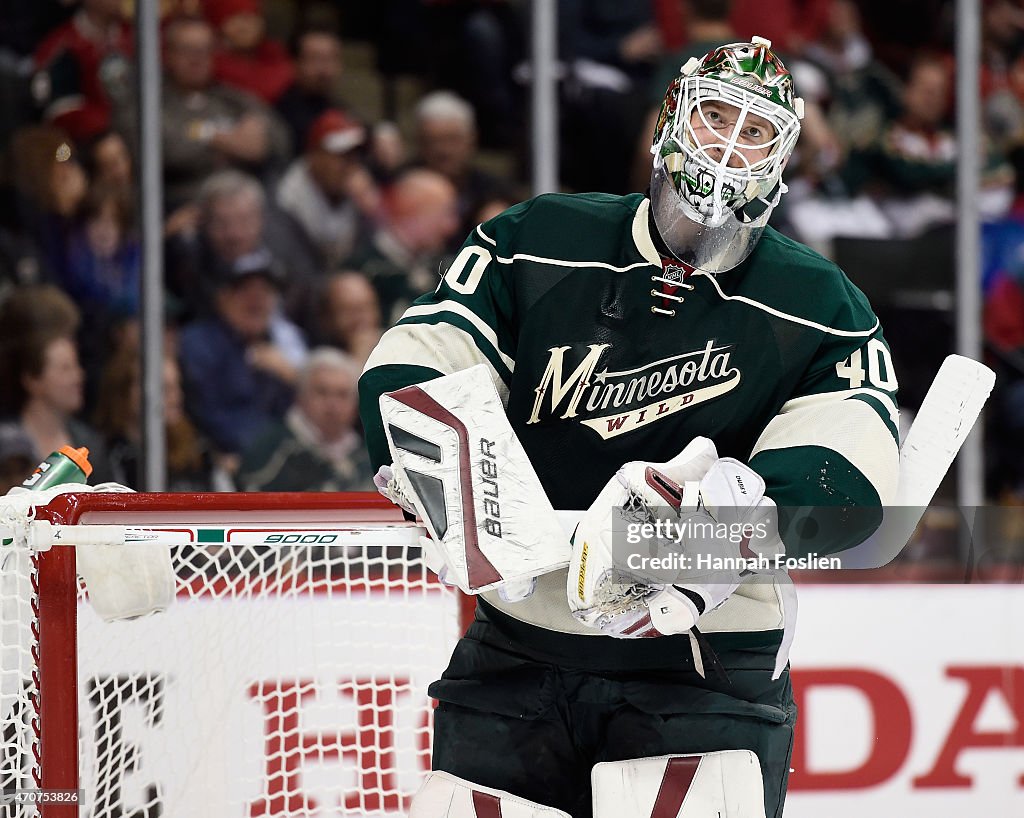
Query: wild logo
[(614, 403)]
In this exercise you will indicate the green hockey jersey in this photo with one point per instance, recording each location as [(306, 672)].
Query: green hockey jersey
[(605, 352)]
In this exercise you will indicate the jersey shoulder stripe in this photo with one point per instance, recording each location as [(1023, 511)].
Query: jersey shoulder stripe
[(885, 402), (448, 308), (485, 351), (796, 319), (595, 230), (793, 282)]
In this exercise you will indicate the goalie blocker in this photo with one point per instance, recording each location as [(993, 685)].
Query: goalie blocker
[(471, 483)]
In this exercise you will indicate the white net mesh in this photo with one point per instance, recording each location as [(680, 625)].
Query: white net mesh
[(287, 679), (18, 747)]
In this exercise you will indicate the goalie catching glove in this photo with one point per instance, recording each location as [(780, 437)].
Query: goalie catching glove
[(700, 522)]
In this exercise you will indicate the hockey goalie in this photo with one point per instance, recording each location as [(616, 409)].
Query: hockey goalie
[(675, 369)]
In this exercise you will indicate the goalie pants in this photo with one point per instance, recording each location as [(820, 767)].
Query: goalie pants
[(530, 711)]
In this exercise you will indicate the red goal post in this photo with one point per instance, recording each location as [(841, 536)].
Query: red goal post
[(289, 676)]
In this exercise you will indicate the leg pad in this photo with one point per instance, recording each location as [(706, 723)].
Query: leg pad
[(726, 784), (446, 796)]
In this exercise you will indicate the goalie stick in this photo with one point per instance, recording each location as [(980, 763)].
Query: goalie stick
[(947, 415)]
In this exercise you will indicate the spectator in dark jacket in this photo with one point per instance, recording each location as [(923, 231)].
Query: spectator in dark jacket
[(318, 70), (50, 185), (239, 365), (206, 125), (18, 455), (446, 135), (234, 222)]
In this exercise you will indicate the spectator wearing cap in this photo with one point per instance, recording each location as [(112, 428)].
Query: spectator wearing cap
[(316, 446), (315, 89), (18, 455), (402, 258), (248, 59), (235, 225), (328, 190), (208, 126), (240, 364), (446, 136)]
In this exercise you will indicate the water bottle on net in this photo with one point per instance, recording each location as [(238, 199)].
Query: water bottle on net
[(66, 465)]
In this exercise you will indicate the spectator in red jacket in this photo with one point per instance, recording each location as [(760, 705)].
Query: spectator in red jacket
[(85, 69), (248, 59)]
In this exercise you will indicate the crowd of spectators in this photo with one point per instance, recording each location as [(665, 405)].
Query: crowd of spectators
[(296, 219)]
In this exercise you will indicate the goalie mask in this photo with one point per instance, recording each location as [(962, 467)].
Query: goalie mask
[(726, 129)]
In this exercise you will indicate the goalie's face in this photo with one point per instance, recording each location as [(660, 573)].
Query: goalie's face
[(727, 127), (724, 149), (727, 135)]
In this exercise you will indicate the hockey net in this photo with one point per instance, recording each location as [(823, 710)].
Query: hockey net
[(288, 678)]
